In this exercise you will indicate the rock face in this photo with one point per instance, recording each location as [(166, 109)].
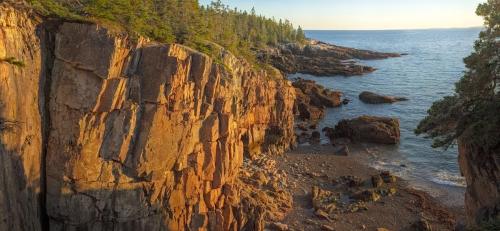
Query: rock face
[(21, 117), (129, 135), (321, 59), (373, 98), (312, 99), (368, 129), (482, 173)]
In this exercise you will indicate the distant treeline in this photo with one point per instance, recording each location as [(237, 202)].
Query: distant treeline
[(181, 21)]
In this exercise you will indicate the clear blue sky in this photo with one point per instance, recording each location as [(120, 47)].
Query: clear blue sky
[(367, 14)]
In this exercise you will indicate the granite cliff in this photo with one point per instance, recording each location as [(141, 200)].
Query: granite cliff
[(481, 169), (102, 132)]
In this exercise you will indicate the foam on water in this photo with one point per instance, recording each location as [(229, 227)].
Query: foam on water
[(427, 74)]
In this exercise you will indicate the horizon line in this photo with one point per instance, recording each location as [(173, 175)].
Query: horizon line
[(388, 29)]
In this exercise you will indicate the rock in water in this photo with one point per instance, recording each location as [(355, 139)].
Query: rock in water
[(373, 98), (315, 137), (329, 132), (312, 99), (371, 129), (320, 59)]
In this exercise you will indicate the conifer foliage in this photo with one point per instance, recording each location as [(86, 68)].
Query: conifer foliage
[(182, 21), (473, 112)]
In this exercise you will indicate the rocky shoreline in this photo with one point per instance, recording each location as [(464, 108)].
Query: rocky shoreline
[(321, 59), (104, 132), (356, 203)]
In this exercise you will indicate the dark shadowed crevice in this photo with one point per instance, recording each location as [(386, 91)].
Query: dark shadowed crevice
[(46, 33)]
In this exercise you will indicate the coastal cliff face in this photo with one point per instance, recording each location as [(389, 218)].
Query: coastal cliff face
[(21, 113), (129, 134), (482, 173)]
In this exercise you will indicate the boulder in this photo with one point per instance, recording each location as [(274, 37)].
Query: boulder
[(312, 99), (351, 181), (329, 132), (309, 112), (327, 228), (373, 98), (315, 137), (367, 196), (302, 127), (377, 181), (323, 200), (342, 150), (303, 137), (388, 177), (370, 129), (278, 226), (421, 225)]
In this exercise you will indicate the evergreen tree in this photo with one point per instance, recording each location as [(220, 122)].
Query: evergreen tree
[(182, 21), (473, 112)]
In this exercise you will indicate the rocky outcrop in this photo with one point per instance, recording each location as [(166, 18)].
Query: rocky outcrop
[(321, 59), (149, 135), (129, 134), (371, 129), (373, 98), (312, 99), (481, 169)]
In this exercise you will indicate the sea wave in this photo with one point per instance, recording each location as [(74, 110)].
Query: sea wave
[(447, 178)]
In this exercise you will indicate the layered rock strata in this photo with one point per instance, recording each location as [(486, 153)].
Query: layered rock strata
[(129, 134)]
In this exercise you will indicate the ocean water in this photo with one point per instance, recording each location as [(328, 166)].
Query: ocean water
[(433, 64)]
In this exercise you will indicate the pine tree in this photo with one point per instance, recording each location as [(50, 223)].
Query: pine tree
[(472, 113)]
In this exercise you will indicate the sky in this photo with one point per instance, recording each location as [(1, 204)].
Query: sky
[(367, 14)]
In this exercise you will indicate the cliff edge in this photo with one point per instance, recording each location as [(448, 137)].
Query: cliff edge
[(99, 131)]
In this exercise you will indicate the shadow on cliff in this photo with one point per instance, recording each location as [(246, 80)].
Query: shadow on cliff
[(108, 209), (17, 194)]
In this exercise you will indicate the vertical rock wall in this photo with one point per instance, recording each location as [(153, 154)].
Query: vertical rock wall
[(20, 121), (147, 136), (482, 172), (121, 134)]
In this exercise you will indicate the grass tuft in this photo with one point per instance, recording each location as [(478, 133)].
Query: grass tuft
[(13, 61)]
